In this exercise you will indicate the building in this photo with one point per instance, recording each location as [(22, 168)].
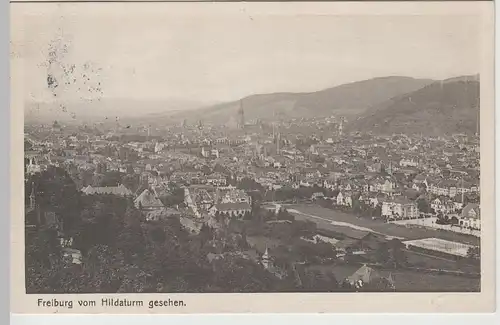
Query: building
[(344, 199), (217, 179), (236, 196), (232, 210), (366, 275), (383, 186), (444, 187), (441, 205), (241, 116), (119, 190), (148, 201), (408, 162), (471, 216), (399, 208)]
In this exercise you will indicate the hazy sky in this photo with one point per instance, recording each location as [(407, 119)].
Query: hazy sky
[(221, 57)]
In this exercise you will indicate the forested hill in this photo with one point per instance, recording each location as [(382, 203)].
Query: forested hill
[(447, 107)]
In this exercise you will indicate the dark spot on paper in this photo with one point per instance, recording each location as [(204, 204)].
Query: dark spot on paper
[(51, 82)]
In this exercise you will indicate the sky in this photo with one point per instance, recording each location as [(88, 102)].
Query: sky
[(155, 55)]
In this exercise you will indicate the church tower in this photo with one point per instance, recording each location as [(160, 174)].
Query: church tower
[(266, 259), (32, 196), (241, 116)]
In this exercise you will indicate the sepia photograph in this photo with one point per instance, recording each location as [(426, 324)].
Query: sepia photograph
[(176, 148)]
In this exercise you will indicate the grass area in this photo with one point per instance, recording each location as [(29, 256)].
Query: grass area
[(411, 281), (379, 226), (423, 261)]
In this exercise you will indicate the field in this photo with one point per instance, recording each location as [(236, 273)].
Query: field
[(431, 223), (432, 262), (324, 217), (440, 245), (411, 281)]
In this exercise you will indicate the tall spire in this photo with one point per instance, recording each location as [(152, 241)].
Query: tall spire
[(278, 140), (32, 196), (462, 191), (241, 116), (266, 259)]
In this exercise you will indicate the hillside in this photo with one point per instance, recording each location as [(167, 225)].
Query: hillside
[(447, 107), (348, 100)]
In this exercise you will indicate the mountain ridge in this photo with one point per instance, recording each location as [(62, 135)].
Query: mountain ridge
[(442, 107), (346, 99)]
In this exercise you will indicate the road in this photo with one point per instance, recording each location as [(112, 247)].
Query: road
[(330, 219)]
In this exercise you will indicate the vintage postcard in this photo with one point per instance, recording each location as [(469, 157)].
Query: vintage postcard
[(252, 157)]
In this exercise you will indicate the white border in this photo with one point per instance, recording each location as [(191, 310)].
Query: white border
[(244, 319)]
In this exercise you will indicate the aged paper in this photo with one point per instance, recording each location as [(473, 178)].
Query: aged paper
[(252, 157)]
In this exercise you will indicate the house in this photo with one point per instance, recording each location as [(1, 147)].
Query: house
[(210, 153), (375, 168), (119, 190), (311, 172), (420, 179), (32, 167), (408, 162), (384, 186), (323, 235), (267, 261), (458, 205), (317, 195), (330, 184), (399, 208), (344, 199), (366, 275), (236, 196), (357, 240), (471, 216), (444, 187), (437, 205), (194, 225), (232, 209), (217, 179), (74, 256), (375, 200), (148, 201)]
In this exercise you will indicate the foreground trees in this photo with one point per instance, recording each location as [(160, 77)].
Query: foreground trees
[(123, 253)]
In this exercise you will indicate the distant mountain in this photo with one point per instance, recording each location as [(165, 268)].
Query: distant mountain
[(109, 108), (443, 107), (348, 100)]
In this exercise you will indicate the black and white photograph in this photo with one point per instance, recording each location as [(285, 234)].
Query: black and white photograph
[(175, 151)]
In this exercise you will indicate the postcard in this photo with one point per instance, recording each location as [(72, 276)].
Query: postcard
[(253, 157)]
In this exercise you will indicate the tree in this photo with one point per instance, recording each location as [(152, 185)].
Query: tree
[(206, 234), (356, 206), (423, 205), (131, 181), (57, 192), (103, 267), (247, 215), (378, 285), (325, 250), (397, 255), (317, 281), (474, 252), (283, 214), (42, 260), (175, 197), (349, 256), (382, 254), (131, 240)]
